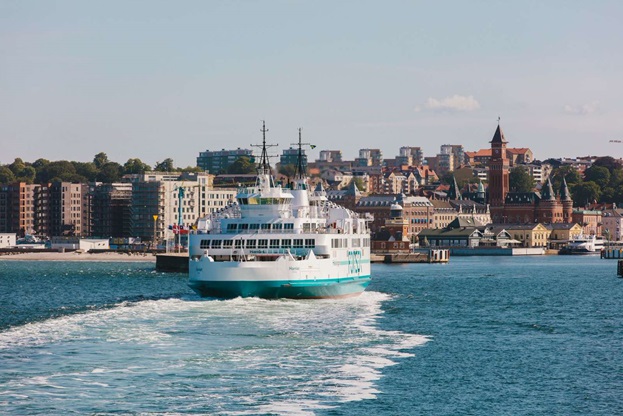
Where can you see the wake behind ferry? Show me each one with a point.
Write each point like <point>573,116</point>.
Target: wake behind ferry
<point>280,243</point>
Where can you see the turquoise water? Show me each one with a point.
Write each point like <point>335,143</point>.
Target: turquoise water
<point>478,336</point>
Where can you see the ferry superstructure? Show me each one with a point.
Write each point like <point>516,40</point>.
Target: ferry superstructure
<point>280,243</point>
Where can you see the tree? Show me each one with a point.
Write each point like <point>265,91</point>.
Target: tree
<point>193,169</point>
<point>165,166</point>
<point>87,170</point>
<point>110,172</point>
<point>520,180</point>
<point>287,170</point>
<point>17,166</point>
<point>608,162</point>
<point>359,183</point>
<point>40,163</point>
<point>571,175</point>
<point>598,174</point>
<point>586,193</point>
<point>100,159</point>
<point>27,174</point>
<point>6,175</point>
<point>242,166</point>
<point>135,166</point>
<point>555,163</point>
<point>62,170</point>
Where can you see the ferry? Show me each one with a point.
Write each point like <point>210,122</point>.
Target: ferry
<point>584,245</point>
<point>280,242</point>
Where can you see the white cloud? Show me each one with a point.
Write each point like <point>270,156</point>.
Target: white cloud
<point>585,109</point>
<point>454,103</point>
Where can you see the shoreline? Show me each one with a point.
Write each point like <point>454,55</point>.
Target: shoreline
<point>76,256</point>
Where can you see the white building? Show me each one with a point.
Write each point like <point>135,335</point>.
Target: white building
<point>8,240</point>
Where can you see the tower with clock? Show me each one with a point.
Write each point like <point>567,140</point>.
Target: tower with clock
<point>498,175</point>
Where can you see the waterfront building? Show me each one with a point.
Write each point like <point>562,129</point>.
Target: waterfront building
<point>218,161</point>
<point>111,210</point>
<point>8,240</point>
<point>461,232</point>
<point>522,207</point>
<point>444,213</point>
<point>69,209</point>
<point>17,209</point>
<point>416,210</point>
<point>41,198</point>
<point>392,238</point>
<point>562,233</point>
<point>177,199</point>
<point>530,235</point>
<point>612,223</point>
<point>590,220</point>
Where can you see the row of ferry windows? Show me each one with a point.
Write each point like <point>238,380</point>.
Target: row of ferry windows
<point>355,242</point>
<point>261,243</point>
<point>276,226</point>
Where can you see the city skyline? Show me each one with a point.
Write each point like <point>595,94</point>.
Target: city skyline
<point>148,81</point>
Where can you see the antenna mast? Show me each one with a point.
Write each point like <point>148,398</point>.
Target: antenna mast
<point>299,173</point>
<point>263,165</point>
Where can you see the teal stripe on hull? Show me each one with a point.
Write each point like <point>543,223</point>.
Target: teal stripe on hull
<point>281,289</point>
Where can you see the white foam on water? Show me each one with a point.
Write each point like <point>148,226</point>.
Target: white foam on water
<point>248,355</point>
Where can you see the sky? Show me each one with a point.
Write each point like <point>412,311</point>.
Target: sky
<point>164,79</point>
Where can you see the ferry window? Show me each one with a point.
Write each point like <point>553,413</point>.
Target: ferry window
<point>310,243</point>
<point>243,201</point>
<point>232,227</point>
<point>356,242</point>
<point>205,244</point>
<point>274,243</point>
<point>250,244</point>
<point>298,243</point>
<point>216,243</point>
<point>228,243</point>
<point>244,226</point>
<point>265,226</point>
<point>262,243</point>
<point>277,226</point>
<point>344,242</point>
<point>238,244</point>
<point>254,226</point>
<point>287,243</point>
<point>306,227</point>
<point>288,226</point>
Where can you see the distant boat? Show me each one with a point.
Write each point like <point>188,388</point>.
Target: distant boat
<point>584,245</point>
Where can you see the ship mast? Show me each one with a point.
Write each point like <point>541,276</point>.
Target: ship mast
<point>263,166</point>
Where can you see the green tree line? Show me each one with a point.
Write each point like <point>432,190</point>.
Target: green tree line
<point>101,169</point>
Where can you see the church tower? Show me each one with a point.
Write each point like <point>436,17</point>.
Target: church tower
<point>498,175</point>
<point>567,202</point>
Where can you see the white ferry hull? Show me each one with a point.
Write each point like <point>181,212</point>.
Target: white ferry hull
<point>319,278</point>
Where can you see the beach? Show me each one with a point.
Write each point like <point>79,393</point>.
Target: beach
<point>78,256</point>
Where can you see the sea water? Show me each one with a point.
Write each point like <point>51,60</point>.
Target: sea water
<point>486,335</point>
